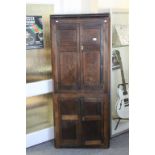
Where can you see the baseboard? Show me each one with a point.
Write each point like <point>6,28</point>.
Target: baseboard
<point>40,136</point>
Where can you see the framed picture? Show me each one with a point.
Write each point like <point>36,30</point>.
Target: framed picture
<point>34,32</point>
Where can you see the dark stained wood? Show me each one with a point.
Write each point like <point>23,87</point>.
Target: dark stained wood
<point>91,70</point>
<point>84,119</point>
<point>67,42</point>
<point>70,117</point>
<point>67,37</point>
<point>66,124</point>
<point>69,106</point>
<point>77,16</point>
<point>91,130</point>
<point>81,73</point>
<point>91,118</point>
<point>93,142</point>
<point>92,106</point>
<point>68,131</point>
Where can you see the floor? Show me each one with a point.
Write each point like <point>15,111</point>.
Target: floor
<point>119,145</point>
<point>123,126</point>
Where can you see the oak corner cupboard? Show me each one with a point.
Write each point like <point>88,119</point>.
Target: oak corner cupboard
<point>81,73</point>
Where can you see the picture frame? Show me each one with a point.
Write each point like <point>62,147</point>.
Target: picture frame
<point>34,32</point>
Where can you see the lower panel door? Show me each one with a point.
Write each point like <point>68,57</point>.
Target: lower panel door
<point>81,120</point>
<point>92,121</point>
<point>69,121</point>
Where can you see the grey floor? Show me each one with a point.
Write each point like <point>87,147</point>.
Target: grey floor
<point>118,146</point>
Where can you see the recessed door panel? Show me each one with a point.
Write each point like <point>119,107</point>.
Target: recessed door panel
<point>67,37</point>
<point>91,69</point>
<point>91,133</point>
<point>69,106</point>
<point>68,72</point>
<point>91,37</point>
<point>92,106</point>
<point>69,130</point>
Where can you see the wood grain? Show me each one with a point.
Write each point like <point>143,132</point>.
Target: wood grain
<point>81,72</point>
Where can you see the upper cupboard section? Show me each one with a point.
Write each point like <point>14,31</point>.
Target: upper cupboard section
<point>78,53</point>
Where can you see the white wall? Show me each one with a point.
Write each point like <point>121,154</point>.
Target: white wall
<point>114,4</point>
<point>83,6</point>
<point>119,18</point>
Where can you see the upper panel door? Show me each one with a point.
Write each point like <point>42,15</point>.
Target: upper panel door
<point>91,49</point>
<point>67,57</point>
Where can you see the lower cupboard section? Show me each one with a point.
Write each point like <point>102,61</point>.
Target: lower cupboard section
<point>81,120</point>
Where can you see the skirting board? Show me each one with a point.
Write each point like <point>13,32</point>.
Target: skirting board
<point>40,136</point>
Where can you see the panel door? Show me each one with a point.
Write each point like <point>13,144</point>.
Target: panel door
<point>91,46</point>
<point>67,56</point>
<point>69,121</point>
<point>92,123</point>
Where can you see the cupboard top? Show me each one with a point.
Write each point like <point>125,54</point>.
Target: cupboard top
<point>79,15</point>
